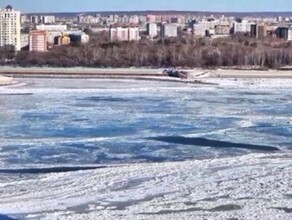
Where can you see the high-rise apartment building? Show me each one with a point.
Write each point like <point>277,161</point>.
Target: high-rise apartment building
<point>262,31</point>
<point>124,33</point>
<point>152,29</point>
<point>34,19</point>
<point>38,41</point>
<point>134,33</point>
<point>253,30</point>
<point>47,19</point>
<point>259,31</point>
<point>284,33</point>
<point>200,29</point>
<point>119,33</point>
<point>10,28</point>
<point>242,27</point>
<point>169,30</point>
<point>42,19</point>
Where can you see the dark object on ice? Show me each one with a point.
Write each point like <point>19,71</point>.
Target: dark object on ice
<point>48,170</point>
<point>175,73</point>
<point>212,143</point>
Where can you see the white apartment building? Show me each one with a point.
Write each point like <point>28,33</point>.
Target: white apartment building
<point>10,28</point>
<point>134,19</point>
<point>48,19</point>
<point>152,29</point>
<point>134,33</point>
<point>43,27</point>
<point>88,19</point>
<point>24,40</point>
<point>289,36</point>
<point>169,30</point>
<point>24,19</point>
<point>77,36</point>
<point>124,33</point>
<point>200,29</point>
<point>242,27</point>
<point>44,19</point>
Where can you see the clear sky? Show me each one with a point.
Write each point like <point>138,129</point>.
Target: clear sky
<point>125,5</point>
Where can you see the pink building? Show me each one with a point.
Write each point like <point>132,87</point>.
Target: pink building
<point>153,18</point>
<point>38,41</point>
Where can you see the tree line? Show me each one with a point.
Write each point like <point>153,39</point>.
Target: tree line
<point>188,52</point>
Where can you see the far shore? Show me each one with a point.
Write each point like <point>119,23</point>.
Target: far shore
<point>192,74</point>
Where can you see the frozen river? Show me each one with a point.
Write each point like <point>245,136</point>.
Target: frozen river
<point>215,144</point>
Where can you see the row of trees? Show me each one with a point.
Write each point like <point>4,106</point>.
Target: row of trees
<point>233,51</point>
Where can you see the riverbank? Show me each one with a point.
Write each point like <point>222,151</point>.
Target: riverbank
<point>81,71</point>
<point>192,74</point>
<point>236,73</point>
<point>229,73</point>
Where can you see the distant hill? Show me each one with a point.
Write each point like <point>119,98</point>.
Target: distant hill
<point>206,13</point>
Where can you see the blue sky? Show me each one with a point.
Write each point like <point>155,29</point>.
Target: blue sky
<point>121,5</point>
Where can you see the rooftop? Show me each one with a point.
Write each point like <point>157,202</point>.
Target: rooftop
<point>9,7</point>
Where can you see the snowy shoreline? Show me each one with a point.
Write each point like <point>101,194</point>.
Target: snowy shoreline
<point>154,72</point>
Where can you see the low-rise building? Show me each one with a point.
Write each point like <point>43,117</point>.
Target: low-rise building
<point>51,27</point>
<point>99,29</point>
<point>52,36</point>
<point>78,37</point>
<point>222,29</point>
<point>64,40</point>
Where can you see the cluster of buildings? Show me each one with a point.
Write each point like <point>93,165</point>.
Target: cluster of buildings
<point>204,28</point>
<point>38,19</point>
<point>35,33</point>
<point>42,32</point>
<point>47,36</point>
<point>152,26</point>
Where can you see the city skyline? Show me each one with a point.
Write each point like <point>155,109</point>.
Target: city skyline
<point>32,6</point>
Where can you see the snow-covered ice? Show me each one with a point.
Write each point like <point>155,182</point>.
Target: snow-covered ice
<point>245,187</point>
<point>88,149</point>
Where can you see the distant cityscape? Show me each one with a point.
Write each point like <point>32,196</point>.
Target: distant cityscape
<point>41,32</point>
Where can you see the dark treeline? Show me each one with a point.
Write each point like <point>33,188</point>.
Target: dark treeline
<point>234,51</point>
